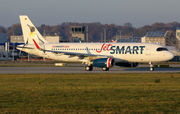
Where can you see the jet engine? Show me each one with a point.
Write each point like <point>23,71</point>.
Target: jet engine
<point>104,62</point>
<point>127,64</point>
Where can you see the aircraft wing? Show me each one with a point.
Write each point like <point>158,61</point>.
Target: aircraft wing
<point>20,46</point>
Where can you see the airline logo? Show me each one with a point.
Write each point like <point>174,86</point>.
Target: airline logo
<point>121,49</point>
<point>105,48</point>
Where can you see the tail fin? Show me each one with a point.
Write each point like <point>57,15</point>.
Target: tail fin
<point>30,33</point>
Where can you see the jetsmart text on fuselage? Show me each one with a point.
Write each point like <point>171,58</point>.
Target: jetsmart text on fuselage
<point>127,50</point>
<point>121,49</point>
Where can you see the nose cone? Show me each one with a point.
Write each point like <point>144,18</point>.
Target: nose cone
<point>170,56</point>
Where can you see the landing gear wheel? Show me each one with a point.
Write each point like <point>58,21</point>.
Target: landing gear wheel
<point>152,69</point>
<point>105,69</point>
<point>151,66</point>
<point>88,68</point>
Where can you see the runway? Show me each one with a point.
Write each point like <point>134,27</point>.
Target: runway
<point>27,70</point>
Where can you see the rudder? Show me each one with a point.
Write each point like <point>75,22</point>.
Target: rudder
<point>30,32</point>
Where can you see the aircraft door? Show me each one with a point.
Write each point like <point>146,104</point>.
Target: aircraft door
<point>148,49</point>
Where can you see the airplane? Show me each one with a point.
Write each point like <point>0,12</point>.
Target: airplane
<point>103,55</point>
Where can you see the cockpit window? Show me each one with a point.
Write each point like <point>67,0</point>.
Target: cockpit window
<point>162,49</point>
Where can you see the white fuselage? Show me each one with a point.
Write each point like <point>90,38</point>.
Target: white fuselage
<point>131,52</point>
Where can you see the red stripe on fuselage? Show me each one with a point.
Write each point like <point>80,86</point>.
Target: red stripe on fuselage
<point>36,44</point>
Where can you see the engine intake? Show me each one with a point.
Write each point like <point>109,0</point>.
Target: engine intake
<point>104,62</point>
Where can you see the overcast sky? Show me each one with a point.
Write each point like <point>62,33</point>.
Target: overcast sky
<point>54,12</point>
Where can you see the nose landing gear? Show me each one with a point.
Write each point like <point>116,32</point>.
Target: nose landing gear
<point>151,66</point>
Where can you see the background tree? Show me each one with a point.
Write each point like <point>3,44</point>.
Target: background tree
<point>15,29</point>
<point>47,30</point>
<point>128,25</point>
<point>2,29</point>
<point>95,29</point>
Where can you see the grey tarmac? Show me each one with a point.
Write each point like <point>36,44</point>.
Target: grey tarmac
<point>28,70</point>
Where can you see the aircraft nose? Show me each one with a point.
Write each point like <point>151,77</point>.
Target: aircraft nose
<point>170,56</point>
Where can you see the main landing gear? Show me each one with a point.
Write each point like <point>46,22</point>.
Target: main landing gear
<point>90,68</point>
<point>151,66</point>
<point>105,69</point>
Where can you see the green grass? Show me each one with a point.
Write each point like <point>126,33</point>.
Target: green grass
<point>90,93</point>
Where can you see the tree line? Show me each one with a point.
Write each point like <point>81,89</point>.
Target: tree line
<point>95,30</point>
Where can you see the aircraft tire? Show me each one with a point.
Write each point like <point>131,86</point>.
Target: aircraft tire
<point>88,68</point>
<point>151,68</point>
<point>105,69</point>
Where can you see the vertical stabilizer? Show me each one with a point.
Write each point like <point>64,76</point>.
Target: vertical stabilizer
<point>30,33</point>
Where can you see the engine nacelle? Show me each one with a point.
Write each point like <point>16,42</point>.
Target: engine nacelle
<point>104,62</point>
<point>127,64</point>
